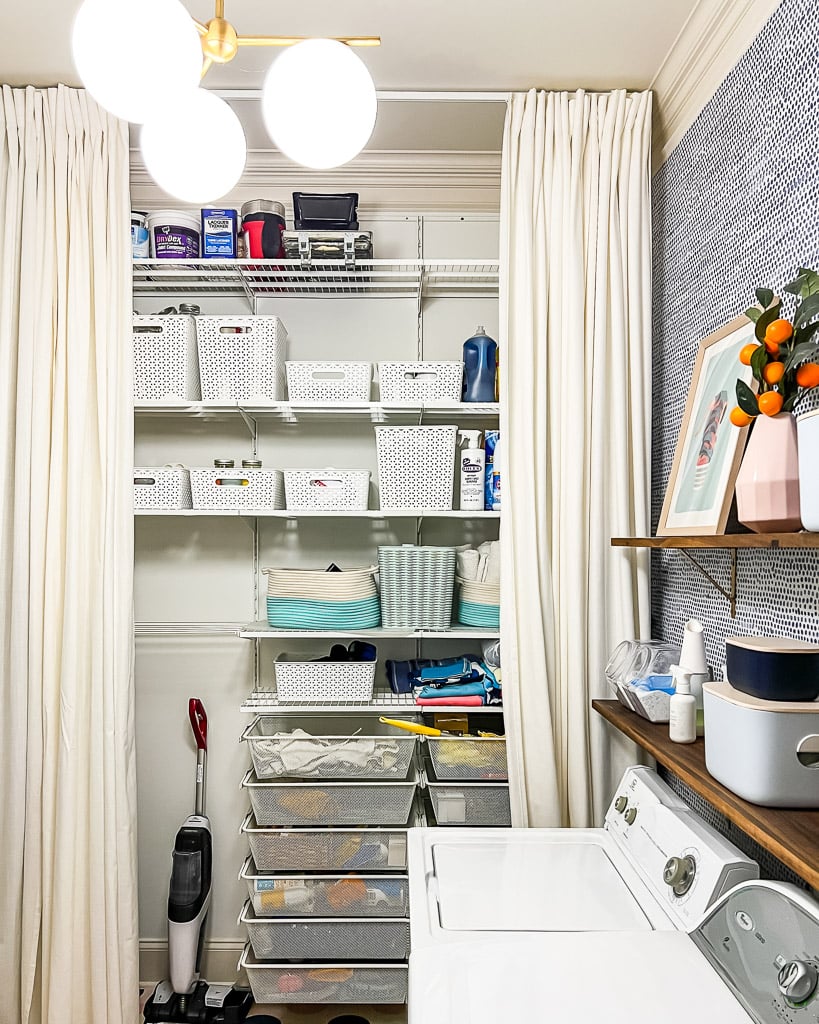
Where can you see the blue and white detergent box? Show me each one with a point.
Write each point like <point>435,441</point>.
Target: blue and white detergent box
<point>492,484</point>
<point>219,234</point>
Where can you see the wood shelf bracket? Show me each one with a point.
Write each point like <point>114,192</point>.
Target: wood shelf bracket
<point>730,594</point>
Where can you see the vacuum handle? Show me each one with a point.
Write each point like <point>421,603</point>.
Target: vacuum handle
<point>199,722</point>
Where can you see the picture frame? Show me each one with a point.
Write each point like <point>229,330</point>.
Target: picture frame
<point>709,448</point>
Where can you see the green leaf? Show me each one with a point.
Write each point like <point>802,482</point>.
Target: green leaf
<point>790,401</point>
<point>764,296</point>
<point>766,318</point>
<point>807,309</point>
<point>801,353</point>
<point>753,313</point>
<point>746,399</point>
<point>805,332</point>
<point>758,360</point>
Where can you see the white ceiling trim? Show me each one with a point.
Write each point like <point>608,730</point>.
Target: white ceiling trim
<point>405,180</point>
<point>711,42</point>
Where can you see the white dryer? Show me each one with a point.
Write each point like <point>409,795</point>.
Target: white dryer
<point>654,866</point>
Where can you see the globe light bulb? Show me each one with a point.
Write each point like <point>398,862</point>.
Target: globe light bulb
<point>319,103</point>
<point>195,147</point>
<point>133,54</point>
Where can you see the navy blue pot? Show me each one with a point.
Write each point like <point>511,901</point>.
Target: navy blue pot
<point>773,668</point>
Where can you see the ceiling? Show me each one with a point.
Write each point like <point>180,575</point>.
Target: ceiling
<point>427,45</point>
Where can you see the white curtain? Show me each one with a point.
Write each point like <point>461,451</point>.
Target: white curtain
<point>575,317</point>
<point>68,939</point>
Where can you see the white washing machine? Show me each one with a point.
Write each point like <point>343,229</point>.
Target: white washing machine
<point>755,958</point>
<point>654,866</point>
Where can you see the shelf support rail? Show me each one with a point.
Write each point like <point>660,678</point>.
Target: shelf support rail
<point>731,593</point>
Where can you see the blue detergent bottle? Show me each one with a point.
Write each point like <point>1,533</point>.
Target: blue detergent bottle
<point>480,364</point>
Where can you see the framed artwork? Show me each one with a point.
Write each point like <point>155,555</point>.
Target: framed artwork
<point>709,449</point>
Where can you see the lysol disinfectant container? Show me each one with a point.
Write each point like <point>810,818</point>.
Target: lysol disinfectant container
<point>480,360</point>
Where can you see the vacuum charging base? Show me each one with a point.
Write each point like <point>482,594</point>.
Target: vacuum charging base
<point>194,1009</point>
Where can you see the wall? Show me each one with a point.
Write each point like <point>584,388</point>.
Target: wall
<point>735,206</point>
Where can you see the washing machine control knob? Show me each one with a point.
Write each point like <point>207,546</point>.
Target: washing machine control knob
<point>630,815</point>
<point>620,804</point>
<point>797,981</point>
<point>679,873</point>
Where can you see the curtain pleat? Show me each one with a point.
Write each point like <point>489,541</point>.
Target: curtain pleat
<point>68,946</point>
<point>575,315</point>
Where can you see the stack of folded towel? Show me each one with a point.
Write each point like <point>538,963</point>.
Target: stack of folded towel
<point>481,565</point>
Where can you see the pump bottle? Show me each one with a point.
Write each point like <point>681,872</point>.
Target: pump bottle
<point>682,721</point>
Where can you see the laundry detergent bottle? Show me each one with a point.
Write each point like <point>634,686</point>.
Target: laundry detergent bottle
<point>480,363</point>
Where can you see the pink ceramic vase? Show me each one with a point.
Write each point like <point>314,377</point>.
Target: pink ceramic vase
<point>768,480</point>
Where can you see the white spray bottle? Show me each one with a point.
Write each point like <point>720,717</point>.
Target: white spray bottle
<point>682,721</point>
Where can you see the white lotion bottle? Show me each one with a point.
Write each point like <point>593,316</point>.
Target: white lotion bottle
<point>682,718</point>
<point>472,463</point>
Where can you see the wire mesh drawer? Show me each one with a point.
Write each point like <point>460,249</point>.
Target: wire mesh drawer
<point>416,586</point>
<point>241,358</point>
<point>421,381</point>
<point>338,490</point>
<point>325,895</point>
<point>331,803</point>
<point>165,487</point>
<point>468,758</point>
<point>336,381</point>
<point>336,849</point>
<point>328,748</point>
<point>166,361</point>
<point>470,803</point>
<point>416,466</point>
<point>324,983</point>
<point>326,939</point>
<point>237,488</point>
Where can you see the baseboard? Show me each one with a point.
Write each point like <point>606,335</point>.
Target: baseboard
<point>219,959</point>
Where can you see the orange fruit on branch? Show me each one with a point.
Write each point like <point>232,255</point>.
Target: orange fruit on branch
<point>746,352</point>
<point>770,403</point>
<point>772,373</point>
<point>778,332</point>
<point>807,376</point>
<point>739,417</point>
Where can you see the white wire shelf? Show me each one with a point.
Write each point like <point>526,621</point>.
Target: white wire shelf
<point>263,631</point>
<point>255,279</point>
<point>294,412</point>
<point>417,513</point>
<point>188,628</point>
<point>383,702</point>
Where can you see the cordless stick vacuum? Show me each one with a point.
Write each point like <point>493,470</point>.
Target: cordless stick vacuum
<point>184,998</point>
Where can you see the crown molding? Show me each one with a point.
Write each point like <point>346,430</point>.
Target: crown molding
<point>389,180</point>
<point>711,42</point>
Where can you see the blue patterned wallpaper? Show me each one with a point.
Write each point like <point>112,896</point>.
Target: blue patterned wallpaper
<point>735,206</point>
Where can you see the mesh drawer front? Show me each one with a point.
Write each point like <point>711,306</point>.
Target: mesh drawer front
<point>468,758</point>
<point>325,983</point>
<point>325,895</point>
<point>331,803</point>
<point>327,940</point>
<point>470,803</point>
<point>356,849</point>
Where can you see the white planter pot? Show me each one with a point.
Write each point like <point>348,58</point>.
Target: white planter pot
<point>807,427</point>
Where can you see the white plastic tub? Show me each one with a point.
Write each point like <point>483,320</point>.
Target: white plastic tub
<point>807,431</point>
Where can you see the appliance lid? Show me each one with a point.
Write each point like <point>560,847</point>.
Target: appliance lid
<point>727,692</point>
<point>514,886</point>
<point>773,644</point>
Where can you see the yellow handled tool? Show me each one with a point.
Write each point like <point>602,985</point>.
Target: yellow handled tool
<point>427,730</point>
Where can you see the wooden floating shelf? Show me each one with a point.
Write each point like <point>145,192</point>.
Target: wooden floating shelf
<point>791,836</point>
<point>723,540</point>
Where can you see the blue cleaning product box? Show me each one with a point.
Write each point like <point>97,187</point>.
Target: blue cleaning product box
<point>491,438</point>
<point>219,234</point>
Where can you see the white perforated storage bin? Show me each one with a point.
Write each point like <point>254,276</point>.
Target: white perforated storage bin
<point>237,488</point>
<point>359,896</point>
<point>163,487</point>
<point>330,803</point>
<point>421,381</point>
<point>166,362</point>
<point>416,466</point>
<point>470,803</point>
<point>416,586</point>
<point>328,747</point>
<point>340,490</point>
<point>241,358</point>
<point>467,757</point>
<point>328,381</point>
<point>324,680</point>
<point>324,982</point>
<point>326,938</point>
<point>326,849</point>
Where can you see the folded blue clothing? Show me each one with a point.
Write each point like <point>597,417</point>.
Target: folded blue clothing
<point>477,689</point>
